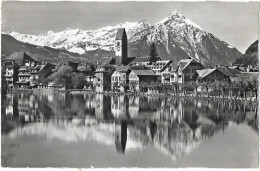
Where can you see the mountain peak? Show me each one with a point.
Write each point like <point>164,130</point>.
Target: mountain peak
<point>176,15</point>
<point>144,23</point>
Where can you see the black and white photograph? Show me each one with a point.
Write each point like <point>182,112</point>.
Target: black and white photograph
<point>129,84</point>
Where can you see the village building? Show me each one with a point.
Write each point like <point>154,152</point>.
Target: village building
<point>102,80</point>
<point>210,75</point>
<point>24,77</point>
<point>120,78</point>
<point>185,71</point>
<point>11,72</point>
<point>40,72</point>
<point>141,75</point>
<point>162,69</point>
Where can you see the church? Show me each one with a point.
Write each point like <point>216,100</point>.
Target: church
<point>121,57</point>
<point>114,72</point>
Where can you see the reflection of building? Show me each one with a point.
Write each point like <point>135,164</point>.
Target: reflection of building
<point>9,110</point>
<point>103,107</point>
<point>119,106</point>
<point>133,106</point>
<point>120,136</point>
<point>27,107</point>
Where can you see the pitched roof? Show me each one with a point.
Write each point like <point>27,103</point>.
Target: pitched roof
<point>25,68</point>
<point>105,66</point>
<point>122,68</point>
<point>39,67</point>
<point>204,72</point>
<point>160,65</point>
<point>183,63</point>
<point>20,57</point>
<point>228,71</point>
<point>141,59</point>
<point>144,72</point>
<point>106,60</point>
<point>119,34</point>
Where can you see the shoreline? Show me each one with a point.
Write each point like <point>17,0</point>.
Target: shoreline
<point>203,97</point>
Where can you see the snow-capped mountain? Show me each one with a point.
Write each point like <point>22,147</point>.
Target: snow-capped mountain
<point>176,37</point>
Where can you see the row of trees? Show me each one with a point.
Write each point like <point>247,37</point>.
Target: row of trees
<point>239,88</point>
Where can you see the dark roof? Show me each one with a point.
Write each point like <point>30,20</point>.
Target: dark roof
<point>9,66</point>
<point>106,60</point>
<point>144,72</point>
<point>19,57</point>
<point>122,68</point>
<point>105,66</point>
<point>119,34</point>
<point>228,71</point>
<point>139,67</point>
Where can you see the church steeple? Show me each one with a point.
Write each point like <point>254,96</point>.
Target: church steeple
<point>121,47</point>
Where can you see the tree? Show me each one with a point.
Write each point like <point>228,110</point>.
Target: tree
<point>63,77</point>
<point>195,85</point>
<point>153,53</point>
<point>253,86</point>
<point>176,87</point>
<point>207,85</point>
<point>78,80</point>
<point>4,85</point>
<point>133,84</point>
<point>124,85</point>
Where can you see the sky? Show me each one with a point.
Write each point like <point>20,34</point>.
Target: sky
<point>233,22</point>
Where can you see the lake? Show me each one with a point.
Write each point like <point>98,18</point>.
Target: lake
<point>47,129</point>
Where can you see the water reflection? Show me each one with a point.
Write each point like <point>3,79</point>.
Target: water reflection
<point>173,126</point>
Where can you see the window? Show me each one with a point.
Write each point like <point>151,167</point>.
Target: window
<point>118,43</point>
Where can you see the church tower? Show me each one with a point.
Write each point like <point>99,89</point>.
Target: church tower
<point>121,47</point>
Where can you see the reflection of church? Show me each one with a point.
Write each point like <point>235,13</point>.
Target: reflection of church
<point>120,136</point>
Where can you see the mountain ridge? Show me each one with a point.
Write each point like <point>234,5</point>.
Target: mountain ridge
<point>176,37</point>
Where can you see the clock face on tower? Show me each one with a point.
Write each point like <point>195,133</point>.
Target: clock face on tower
<point>118,49</point>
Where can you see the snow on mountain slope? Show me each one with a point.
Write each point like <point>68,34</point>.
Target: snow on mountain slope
<point>176,37</point>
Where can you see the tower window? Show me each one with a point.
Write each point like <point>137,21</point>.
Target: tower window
<point>118,44</point>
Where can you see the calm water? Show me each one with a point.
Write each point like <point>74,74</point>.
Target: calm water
<point>63,130</point>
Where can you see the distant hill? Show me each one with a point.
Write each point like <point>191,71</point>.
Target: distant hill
<point>251,55</point>
<point>10,46</point>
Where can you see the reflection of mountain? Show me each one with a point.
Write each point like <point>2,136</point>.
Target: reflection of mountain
<point>173,126</point>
